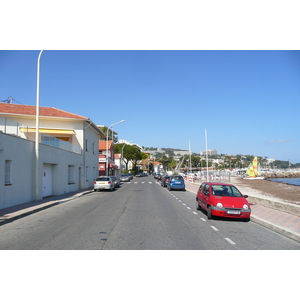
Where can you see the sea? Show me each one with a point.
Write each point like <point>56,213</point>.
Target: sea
<point>292,181</point>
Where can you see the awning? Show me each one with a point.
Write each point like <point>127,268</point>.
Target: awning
<point>113,166</point>
<point>48,131</point>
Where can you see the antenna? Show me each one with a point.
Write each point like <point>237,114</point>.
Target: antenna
<point>10,100</point>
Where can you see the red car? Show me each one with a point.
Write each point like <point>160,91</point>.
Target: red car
<point>222,200</point>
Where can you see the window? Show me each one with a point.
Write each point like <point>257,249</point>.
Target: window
<point>71,174</point>
<point>8,172</point>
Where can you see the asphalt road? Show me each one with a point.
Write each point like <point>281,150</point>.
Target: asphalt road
<point>139,215</point>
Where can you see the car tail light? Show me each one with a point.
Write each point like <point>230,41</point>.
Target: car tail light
<point>109,182</point>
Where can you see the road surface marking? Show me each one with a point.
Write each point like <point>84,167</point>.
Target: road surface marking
<point>183,204</point>
<point>230,241</point>
<point>214,228</point>
<point>188,207</point>
<point>195,213</point>
<point>203,219</point>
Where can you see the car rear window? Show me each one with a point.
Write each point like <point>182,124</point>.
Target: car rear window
<point>103,179</point>
<point>177,178</point>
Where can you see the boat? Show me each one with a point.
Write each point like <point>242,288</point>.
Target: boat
<point>253,170</point>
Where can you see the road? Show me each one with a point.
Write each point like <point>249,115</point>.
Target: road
<point>139,215</point>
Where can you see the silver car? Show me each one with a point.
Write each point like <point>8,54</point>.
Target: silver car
<point>104,183</point>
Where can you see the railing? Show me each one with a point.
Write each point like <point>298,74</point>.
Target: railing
<point>58,143</point>
<point>13,128</point>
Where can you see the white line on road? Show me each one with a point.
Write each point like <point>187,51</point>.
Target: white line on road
<point>230,241</point>
<point>214,228</point>
<point>179,200</point>
<point>183,204</point>
<point>150,182</point>
<point>195,213</point>
<point>203,219</point>
<point>188,207</point>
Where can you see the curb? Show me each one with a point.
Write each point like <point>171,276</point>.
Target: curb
<point>29,211</point>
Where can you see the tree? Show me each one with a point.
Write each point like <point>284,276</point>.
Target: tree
<point>130,153</point>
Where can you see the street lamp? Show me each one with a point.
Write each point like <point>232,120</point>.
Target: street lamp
<point>37,128</point>
<point>107,144</point>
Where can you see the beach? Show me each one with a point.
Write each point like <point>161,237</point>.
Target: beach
<point>267,189</point>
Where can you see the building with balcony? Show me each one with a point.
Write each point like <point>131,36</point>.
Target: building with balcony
<point>68,155</point>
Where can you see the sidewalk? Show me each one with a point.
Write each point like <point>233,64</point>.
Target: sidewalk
<point>12,213</point>
<point>276,220</point>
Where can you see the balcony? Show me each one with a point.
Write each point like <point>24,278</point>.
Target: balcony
<point>11,127</point>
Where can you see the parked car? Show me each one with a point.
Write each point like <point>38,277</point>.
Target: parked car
<point>176,182</point>
<point>222,200</point>
<point>116,181</point>
<point>125,178</point>
<point>164,180</point>
<point>104,183</point>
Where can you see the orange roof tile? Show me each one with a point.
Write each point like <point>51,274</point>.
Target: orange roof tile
<point>30,110</point>
<point>102,145</point>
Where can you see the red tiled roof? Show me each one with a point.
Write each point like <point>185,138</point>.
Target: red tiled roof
<point>29,110</point>
<point>102,145</point>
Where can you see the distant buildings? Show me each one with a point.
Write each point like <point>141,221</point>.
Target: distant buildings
<point>209,152</point>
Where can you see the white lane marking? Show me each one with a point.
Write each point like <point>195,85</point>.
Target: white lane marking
<point>230,241</point>
<point>135,182</point>
<point>203,219</point>
<point>179,200</point>
<point>214,228</point>
<point>150,182</point>
<point>183,204</point>
<point>142,182</point>
<point>188,207</point>
<point>195,213</point>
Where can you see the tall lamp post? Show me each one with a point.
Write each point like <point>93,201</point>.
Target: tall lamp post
<point>107,144</point>
<point>37,128</point>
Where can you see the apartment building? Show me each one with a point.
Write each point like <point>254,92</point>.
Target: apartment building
<point>68,154</point>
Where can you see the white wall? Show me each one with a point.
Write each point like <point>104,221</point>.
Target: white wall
<point>22,154</point>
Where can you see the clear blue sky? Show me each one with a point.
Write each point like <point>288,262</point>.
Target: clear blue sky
<point>249,101</point>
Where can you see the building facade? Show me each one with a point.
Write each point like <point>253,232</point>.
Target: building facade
<point>67,158</point>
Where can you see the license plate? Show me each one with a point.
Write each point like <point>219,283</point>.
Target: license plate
<point>102,183</point>
<point>233,212</point>
<point>178,182</point>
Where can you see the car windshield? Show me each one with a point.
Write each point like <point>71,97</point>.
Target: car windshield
<point>125,175</point>
<point>102,179</point>
<point>225,190</point>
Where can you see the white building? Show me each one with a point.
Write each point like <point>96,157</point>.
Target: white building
<point>209,152</point>
<point>68,153</point>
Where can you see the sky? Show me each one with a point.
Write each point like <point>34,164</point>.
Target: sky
<point>247,101</point>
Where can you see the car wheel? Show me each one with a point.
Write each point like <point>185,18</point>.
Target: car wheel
<point>95,190</point>
<point>209,215</point>
<point>198,206</point>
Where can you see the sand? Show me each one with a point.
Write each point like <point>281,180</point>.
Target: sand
<point>267,189</point>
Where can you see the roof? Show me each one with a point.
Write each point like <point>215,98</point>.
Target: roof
<point>30,110</point>
<point>102,145</point>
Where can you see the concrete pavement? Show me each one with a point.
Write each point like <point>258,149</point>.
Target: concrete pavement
<point>275,219</point>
